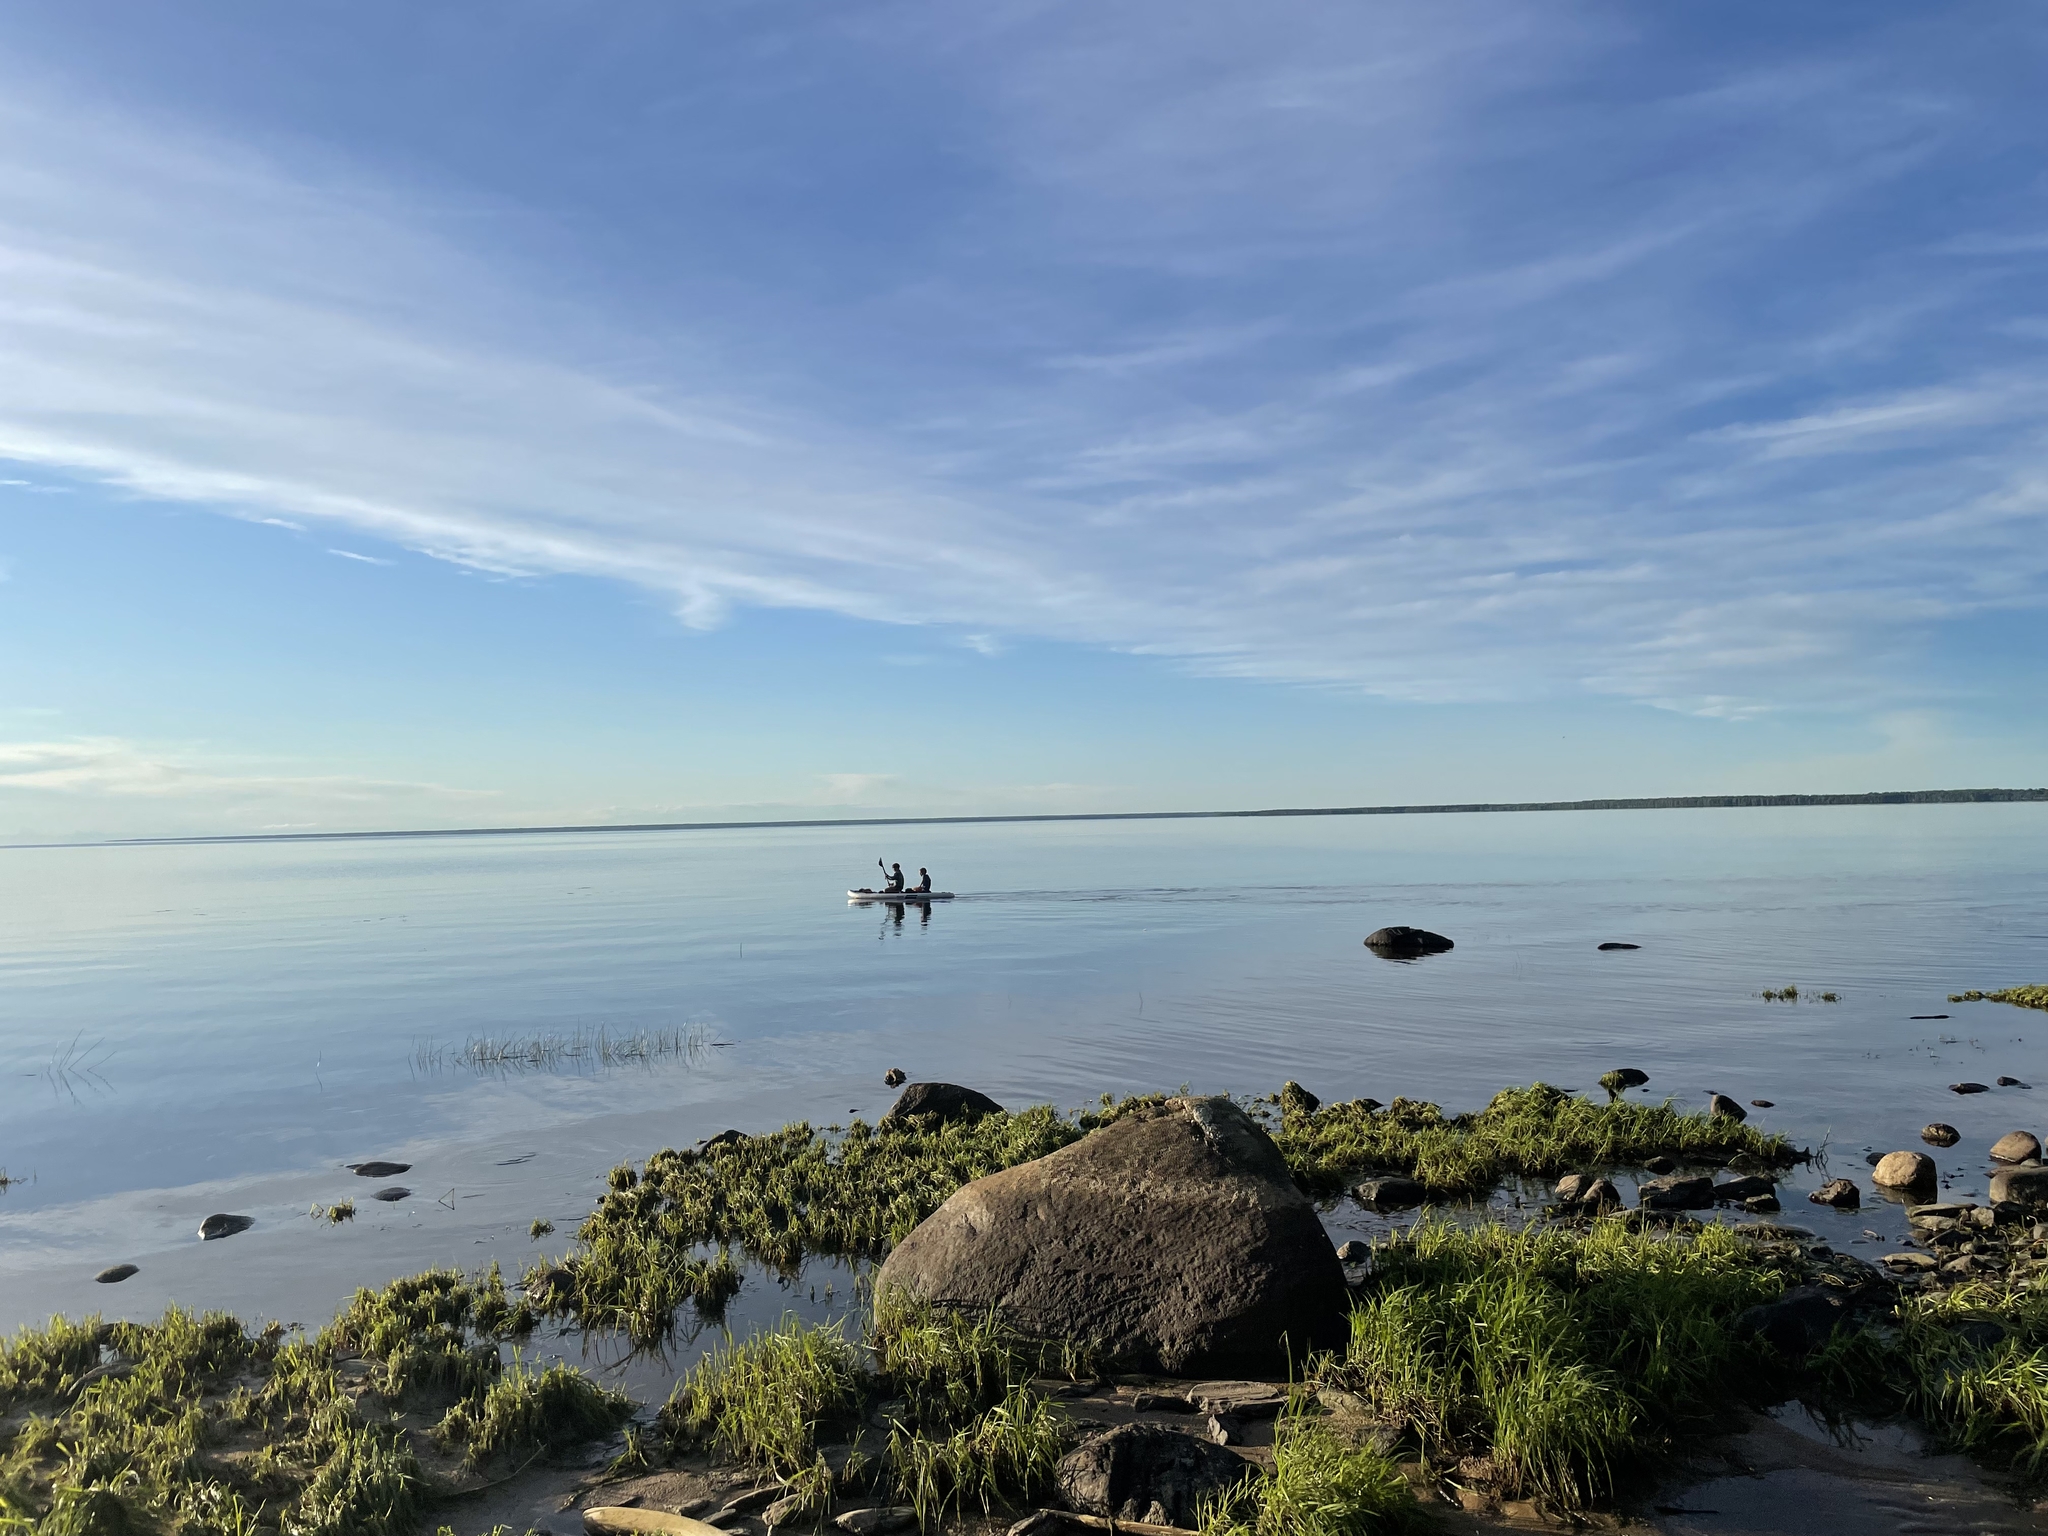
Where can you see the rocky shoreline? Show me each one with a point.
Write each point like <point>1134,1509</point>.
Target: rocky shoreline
<point>1133,1315</point>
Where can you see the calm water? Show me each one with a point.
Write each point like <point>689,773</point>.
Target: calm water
<point>191,1029</point>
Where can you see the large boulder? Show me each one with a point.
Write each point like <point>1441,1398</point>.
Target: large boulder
<point>1402,943</point>
<point>949,1101</point>
<point>1904,1170</point>
<point>1173,1239</point>
<point>1147,1472</point>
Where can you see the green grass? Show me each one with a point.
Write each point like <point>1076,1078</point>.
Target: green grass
<point>1006,1453</point>
<point>1554,1359</point>
<point>195,1425</point>
<point>762,1400</point>
<point>1319,1487</point>
<point>1537,1132</point>
<point>2019,997</point>
<point>524,1411</point>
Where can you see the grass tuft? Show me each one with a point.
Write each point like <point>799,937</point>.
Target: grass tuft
<point>525,1411</point>
<point>1555,1358</point>
<point>761,1401</point>
<point>1319,1486</point>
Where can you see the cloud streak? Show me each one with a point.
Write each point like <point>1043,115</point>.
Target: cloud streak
<point>1409,356</point>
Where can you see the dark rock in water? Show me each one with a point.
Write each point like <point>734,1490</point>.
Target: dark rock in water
<point>1798,1322</point>
<point>1392,1193</point>
<point>1629,1077</point>
<point>1873,1158</point>
<point>1147,1472</point>
<point>115,1274</point>
<point>1939,1135</point>
<point>725,1138</point>
<point>2027,1186</point>
<point>1174,1240</point>
<point>2016,1147</point>
<point>1675,1194</point>
<point>2013,1082</point>
<point>1720,1104</point>
<point>395,1192</point>
<point>1615,944</point>
<point>1663,1162</point>
<point>378,1170</point>
<point>1762,1205</point>
<point>1904,1170</point>
<point>1968,1088</point>
<point>1297,1100</point>
<point>549,1286</point>
<point>894,1078</point>
<point>1747,1188</point>
<point>1353,1252</point>
<point>1842,1194</point>
<point>1587,1192</point>
<point>1761,1104</point>
<point>1406,943</point>
<point>224,1226</point>
<point>949,1101</point>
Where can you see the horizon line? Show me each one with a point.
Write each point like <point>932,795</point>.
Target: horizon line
<point>1641,803</point>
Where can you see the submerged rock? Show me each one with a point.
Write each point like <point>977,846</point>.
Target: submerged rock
<point>1677,1193</point>
<point>395,1192</point>
<point>1762,1104</point>
<point>218,1225</point>
<point>2016,1147</point>
<point>1801,1320</point>
<point>114,1274</point>
<point>1721,1105</point>
<point>1401,943</point>
<point>1842,1194</point>
<point>377,1170</point>
<point>1173,1239</point>
<point>1745,1188</point>
<point>1392,1193</point>
<point>1617,944</point>
<point>1940,1135</point>
<point>1147,1472</point>
<point>1663,1162</point>
<point>1587,1192</point>
<point>895,1077</point>
<point>1968,1088</point>
<point>949,1101</point>
<point>2012,1082</point>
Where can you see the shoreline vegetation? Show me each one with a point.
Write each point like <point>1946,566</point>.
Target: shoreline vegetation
<point>1556,1357</point>
<point>1637,803</point>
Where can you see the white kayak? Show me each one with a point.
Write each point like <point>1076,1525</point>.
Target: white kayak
<point>867,895</point>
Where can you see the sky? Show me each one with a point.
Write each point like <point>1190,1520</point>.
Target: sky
<point>525,413</point>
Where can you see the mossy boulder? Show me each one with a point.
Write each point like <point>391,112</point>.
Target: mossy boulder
<point>1171,1240</point>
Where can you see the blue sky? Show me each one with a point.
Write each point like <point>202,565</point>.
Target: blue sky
<point>539,412</point>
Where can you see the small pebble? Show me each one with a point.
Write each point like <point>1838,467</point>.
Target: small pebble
<point>1762,1104</point>
<point>894,1077</point>
<point>115,1274</point>
<point>219,1225</point>
<point>2013,1082</point>
<point>1968,1088</point>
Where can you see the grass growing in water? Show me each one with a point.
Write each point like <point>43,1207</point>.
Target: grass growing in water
<point>577,1050</point>
<point>1537,1132</point>
<point>2019,997</point>
<point>1554,1359</point>
<point>524,1411</point>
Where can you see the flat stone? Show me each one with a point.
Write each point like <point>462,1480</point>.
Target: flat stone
<point>1617,944</point>
<point>377,1170</point>
<point>1904,1170</point>
<point>1842,1194</point>
<point>875,1522</point>
<point>1242,1399</point>
<point>395,1192</point>
<point>220,1225</point>
<point>1147,1472</point>
<point>1937,1211</point>
<point>1747,1188</point>
<point>114,1274</point>
<point>949,1101</point>
<point>1762,1104</point>
<point>1762,1205</point>
<point>1920,1262</point>
<point>615,1520</point>
<point>1401,943</point>
<point>1940,1135</point>
<point>1677,1193</point>
<point>2016,1147</point>
<point>1393,1193</point>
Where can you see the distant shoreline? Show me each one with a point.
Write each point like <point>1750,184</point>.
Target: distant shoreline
<point>1652,803</point>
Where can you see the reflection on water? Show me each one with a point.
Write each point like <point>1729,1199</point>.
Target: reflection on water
<point>190,1025</point>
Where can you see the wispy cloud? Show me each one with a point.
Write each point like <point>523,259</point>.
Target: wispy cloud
<point>349,554</point>
<point>1369,350</point>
